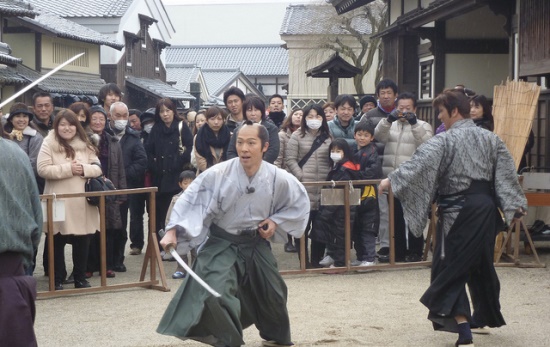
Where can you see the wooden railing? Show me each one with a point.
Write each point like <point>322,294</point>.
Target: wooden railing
<point>152,257</point>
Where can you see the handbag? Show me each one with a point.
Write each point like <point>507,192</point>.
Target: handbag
<point>98,184</point>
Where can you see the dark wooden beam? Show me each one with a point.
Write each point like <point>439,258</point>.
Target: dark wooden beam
<point>38,51</point>
<point>439,57</point>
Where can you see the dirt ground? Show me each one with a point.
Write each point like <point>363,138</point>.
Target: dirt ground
<point>377,308</point>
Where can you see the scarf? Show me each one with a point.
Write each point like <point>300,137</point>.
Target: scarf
<point>206,138</point>
<point>16,134</point>
<point>277,118</point>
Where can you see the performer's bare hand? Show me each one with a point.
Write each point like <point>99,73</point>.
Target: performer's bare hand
<point>518,215</point>
<point>267,228</point>
<point>169,240</point>
<point>384,186</point>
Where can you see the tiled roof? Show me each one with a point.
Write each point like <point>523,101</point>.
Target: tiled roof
<point>68,29</point>
<point>217,80</point>
<point>158,88</point>
<point>85,8</point>
<point>182,74</point>
<point>63,84</point>
<point>8,59</point>
<point>9,75</point>
<point>252,60</point>
<point>314,20</point>
<point>16,8</point>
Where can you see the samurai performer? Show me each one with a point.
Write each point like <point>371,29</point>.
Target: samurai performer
<point>238,205</point>
<point>470,172</point>
<point>20,230</point>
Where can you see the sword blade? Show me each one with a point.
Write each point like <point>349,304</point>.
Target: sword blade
<point>192,273</point>
<point>57,68</point>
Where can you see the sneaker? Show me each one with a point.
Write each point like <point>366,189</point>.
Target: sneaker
<point>290,248</point>
<point>166,256</point>
<point>110,274</point>
<point>367,263</point>
<point>384,251</point>
<point>119,268</point>
<point>135,251</point>
<point>178,275</point>
<point>58,286</point>
<point>81,284</point>
<point>356,262</point>
<point>326,261</point>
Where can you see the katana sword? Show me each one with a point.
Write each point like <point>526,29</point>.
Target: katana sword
<point>57,68</point>
<point>172,249</point>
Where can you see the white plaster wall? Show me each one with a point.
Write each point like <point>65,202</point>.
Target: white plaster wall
<point>480,72</point>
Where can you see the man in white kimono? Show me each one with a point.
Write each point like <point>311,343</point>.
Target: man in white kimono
<point>239,204</point>
<point>470,172</point>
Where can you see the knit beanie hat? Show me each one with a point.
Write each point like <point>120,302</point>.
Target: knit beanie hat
<point>365,99</point>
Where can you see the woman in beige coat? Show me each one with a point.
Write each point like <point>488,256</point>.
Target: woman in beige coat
<point>314,129</point>
<point>65,161</point>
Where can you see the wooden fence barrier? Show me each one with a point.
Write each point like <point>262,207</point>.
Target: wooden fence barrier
<point>151,259</point>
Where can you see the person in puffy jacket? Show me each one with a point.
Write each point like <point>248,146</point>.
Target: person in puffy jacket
<point>307,158</point>
<point>402,133</point>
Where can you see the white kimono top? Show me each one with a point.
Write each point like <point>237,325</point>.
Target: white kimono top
<point>226,196</point>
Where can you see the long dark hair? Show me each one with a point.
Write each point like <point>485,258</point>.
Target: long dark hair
<point>324,127</point>
<point>169,104</point>
<point>71,117</point>
<point>342,144</point>
<point>287,123</point>
<point>481,100</point>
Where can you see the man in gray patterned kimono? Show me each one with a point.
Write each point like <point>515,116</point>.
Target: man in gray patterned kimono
<point>240,204</point>
<point>470,172</point>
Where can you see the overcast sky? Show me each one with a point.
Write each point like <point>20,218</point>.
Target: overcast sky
<point>210,22</point>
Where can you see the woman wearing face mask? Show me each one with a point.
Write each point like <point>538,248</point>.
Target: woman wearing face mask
<point>112,164</point>
<point>307,158</point>
<point>329,225</point>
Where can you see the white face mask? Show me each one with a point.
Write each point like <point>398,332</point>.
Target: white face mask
<point>120,124</point>
<point>147,128</point>
<point>335,156</point>
<point>314,123</point>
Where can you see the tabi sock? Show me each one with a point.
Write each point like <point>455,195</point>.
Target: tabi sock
<point>464,332</point>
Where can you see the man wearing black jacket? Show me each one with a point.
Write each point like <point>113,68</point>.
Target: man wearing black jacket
<point>135,164</point>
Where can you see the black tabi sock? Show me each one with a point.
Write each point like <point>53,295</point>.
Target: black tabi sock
<point>464,332</point>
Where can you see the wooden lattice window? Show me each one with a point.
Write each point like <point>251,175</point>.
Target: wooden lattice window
<point>426,79</point>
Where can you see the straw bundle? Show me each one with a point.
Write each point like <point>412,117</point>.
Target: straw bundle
<point>514,109</point>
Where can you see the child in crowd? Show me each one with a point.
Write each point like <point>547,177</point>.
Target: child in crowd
<point>185,179</point>
<point>329,224</point>
<point>367,215</point>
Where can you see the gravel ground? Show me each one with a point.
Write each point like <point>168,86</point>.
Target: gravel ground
<point>377,308</point>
